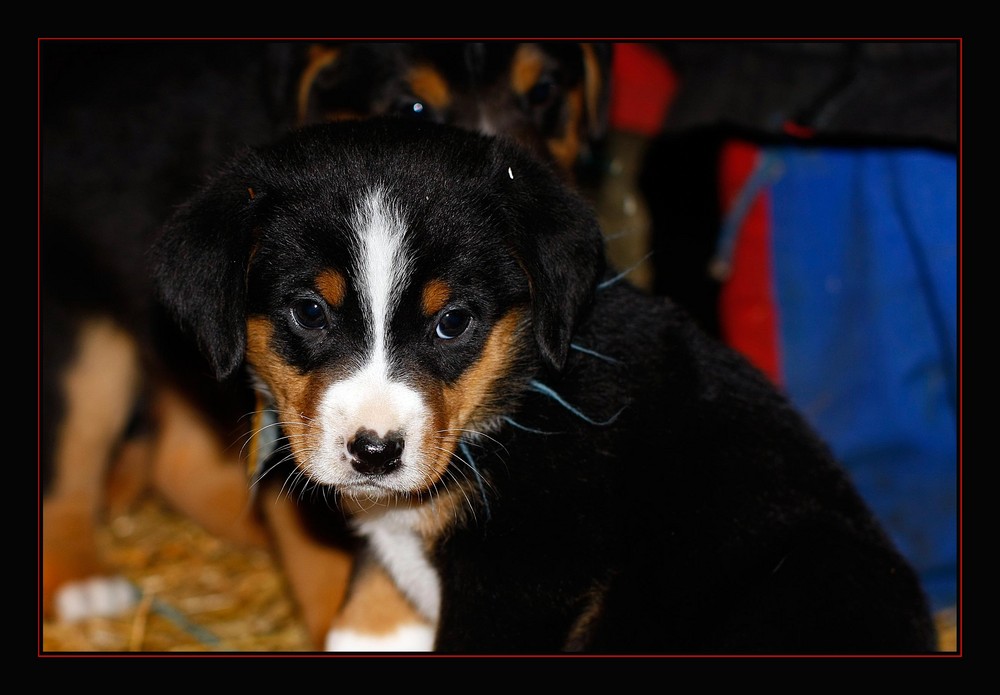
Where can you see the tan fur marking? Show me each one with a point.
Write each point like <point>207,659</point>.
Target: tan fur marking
<point>100,388</point>
<point>470,393</point>
<point>319,58</point>
<point>466,403</point>
<point>196,467</point>
<point>565,149</point>
<point>586,621</point>
<point>375,606</point>
<point>526,68</point>
<point>343,115</point>
<point>295,394</point>
<point>427,85</point>
<point>317,571</point>
<point>593,81</point>
<point>435,296</point>
<point>333,286</point>
<point>69,548</point>
<point>448,510</point>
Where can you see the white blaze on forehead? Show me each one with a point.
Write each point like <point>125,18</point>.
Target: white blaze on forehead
<point>383,265</point>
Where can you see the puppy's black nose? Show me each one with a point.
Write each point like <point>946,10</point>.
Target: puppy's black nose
<point>374,455</point>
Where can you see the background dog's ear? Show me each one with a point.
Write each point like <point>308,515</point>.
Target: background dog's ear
<point>199,266</point>
<point>597,87</point>
<point>558,242</point>
<point>318,68</point>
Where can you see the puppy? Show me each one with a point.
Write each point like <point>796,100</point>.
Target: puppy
<point>552,98</point>
<point>540,457</point>
<point>126,130</point>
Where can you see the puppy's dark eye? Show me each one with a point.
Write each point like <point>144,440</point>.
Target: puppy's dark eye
<point>309,314</point>
<point>453,323</point>
<point>542,92</point>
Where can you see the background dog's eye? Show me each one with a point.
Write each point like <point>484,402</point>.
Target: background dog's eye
<point>309,313</point>
<point>542,92</point>
<point>412,108</point>
<point>453,323</point>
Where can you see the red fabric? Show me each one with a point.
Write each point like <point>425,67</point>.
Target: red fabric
<point>642,87</point>
<point>747,304</point>
<point>798,131</point>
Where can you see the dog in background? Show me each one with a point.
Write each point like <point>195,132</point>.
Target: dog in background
<point>540,457</point>
<point>551,97</point>
<point>126,130</point>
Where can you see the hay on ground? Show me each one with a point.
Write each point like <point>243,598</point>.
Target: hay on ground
<point>197,593</point>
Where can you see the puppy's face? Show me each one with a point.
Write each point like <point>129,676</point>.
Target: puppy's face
<point>385,328</point>
<point>392,286</point>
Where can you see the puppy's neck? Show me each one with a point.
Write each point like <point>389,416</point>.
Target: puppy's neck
<point>402,536</point>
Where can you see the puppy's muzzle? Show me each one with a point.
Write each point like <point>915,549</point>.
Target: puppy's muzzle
<point>375,455</point>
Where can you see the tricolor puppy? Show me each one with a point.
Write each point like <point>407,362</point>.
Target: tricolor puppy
<point>540,457</point>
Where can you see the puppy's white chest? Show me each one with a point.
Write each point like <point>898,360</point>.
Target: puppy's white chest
<point>399,547</point>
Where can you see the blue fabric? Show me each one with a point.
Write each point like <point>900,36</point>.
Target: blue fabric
<point>866,262</point>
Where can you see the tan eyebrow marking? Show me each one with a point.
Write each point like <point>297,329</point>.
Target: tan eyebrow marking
<point>333,286</point>
<point>435,296</point>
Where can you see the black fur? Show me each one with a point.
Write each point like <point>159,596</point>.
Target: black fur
<point>683,506</point>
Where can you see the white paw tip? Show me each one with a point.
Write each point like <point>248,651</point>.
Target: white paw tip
<point>405,638</point>
<point>94,597</point>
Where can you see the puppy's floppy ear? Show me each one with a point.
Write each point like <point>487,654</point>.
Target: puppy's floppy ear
<point>558,242</point>
<point>199,266</point>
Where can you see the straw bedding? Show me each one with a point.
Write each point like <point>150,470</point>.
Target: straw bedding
<point>197,593</point>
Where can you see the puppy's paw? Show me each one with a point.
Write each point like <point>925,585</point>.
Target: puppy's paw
<point>409,637</point>
<point>94,597</point>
